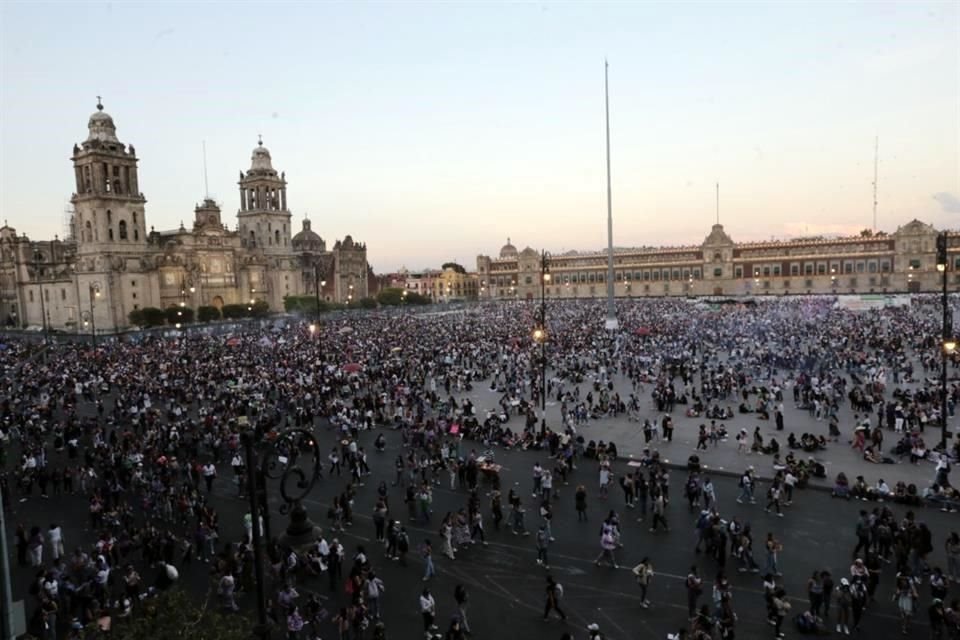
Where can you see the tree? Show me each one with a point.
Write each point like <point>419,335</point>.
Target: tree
<point>454,266</point>
<point>234,311</point>
<point>178,315</point>
<point>303,304</point>
<point>208,314</point>
<point>366,303</point>
<point>260,309</point>
<point>416,298</point>
<point>153,317</point>
<point>135,317</point>
<point>390,297</point>
<point>175,615</point>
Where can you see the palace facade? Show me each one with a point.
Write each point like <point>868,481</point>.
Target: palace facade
<point>903,261</point>
<point>113,263</point>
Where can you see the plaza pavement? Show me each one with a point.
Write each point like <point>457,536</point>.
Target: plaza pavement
<point>724,458</point>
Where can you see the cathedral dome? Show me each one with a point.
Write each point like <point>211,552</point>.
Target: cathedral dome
<point>101,126</point>
<point>308,240</point>
<point>508,250</point>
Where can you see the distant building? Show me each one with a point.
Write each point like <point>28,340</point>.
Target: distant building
<point>112,265</point>
<point>904,261</point>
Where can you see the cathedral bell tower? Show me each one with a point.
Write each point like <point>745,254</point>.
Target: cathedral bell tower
<point>264,217</point>
<point>107,203</point>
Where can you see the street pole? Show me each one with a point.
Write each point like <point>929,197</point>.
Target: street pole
<point>262,629</point>
<point>7,601</point>
<point>43,307</point>
<point>544,277</point>
<point>947,344</point>
<point>93,319</point>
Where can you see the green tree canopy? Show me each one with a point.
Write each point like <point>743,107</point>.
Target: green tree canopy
<point>176,314</point>
<point>153,317</point>
<point>453,265</point>
<point>208,314</point>
<point>234,311</point>
<point>175,615</point>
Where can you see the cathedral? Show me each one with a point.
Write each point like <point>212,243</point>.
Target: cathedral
<point>113,263</point>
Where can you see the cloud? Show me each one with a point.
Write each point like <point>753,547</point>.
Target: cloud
<point>948,202</point>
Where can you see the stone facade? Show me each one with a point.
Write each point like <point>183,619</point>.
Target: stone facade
<point>112,265</point>
<point>903,261</point>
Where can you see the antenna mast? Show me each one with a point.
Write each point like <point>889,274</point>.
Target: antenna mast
<point>876,164</point>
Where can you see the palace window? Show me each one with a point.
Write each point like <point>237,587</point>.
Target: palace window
<point>717,272</point>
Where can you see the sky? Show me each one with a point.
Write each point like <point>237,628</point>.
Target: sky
<point>435,131</point>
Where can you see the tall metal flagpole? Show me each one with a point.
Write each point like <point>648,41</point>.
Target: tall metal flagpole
<point>611,323</point>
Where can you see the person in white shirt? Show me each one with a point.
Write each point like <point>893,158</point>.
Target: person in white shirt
<point>56,541</point>
<point>428,609</point>
<point>209,472</point>
<point>789,482</point>
<point>883,489</point>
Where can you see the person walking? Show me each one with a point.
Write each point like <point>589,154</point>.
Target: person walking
<point>906,599</point>
<point>375,591</point>
<point>746,487</point>
<point>659,507</point>
<point>428,610</point>
<point>461,596</point>
<point>694,586</point>
<point>773,548</point>
<point>643,573</point>
<point>427,551</point>
<point>773,498</point>
<point>844,605</point>
<point>580,503</point>
<point>543,541</point>
<point>554,593</point>
<point>815,593</point>
<point>55,536</point>
<point>608,546</point>
<point>781,607</point>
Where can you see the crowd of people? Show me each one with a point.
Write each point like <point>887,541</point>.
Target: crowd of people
<point>145,435</point>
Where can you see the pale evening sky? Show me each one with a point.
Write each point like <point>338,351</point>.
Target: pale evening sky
<point>432,131</point>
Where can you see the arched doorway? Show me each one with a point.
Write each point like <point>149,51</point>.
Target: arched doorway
<point>217,302</point>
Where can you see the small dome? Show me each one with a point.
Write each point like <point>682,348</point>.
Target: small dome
<point>508,250</point>
<point>308,239</point>
<point>260,158</point>
<point>101,126</point>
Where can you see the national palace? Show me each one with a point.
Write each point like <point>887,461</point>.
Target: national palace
<point>878,263</point>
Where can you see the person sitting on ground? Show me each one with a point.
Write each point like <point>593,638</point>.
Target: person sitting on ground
<point>773,447</point>
<point>860,490</point>
<point>883,490</point>
<point>841,486</point>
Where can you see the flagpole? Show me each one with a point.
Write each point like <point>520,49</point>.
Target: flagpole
<point>611,322</point>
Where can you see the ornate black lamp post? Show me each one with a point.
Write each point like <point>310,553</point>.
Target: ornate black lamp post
<point>280,460</point>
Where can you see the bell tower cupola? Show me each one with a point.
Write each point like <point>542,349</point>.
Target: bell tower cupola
<point>108,205</point>
<point>263,215</point>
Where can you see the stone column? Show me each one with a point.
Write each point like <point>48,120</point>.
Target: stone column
<point>283,198</point>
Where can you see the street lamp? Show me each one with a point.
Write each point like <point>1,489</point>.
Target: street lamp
<point>38,257</point>
<point>94,294</point>
<point>540,335</point>
<point>949,343</point>
<point>280,460</point>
